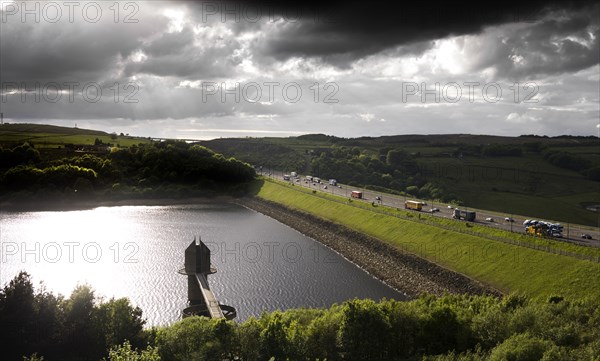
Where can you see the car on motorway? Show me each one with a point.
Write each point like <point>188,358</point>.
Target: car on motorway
<point>509,219</point>
<point>586,236</point>
<point>489,219</point>
<point>450,207</point>
<point>433,210</point>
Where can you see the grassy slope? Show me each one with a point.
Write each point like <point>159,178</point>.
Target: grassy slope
<point>49,136</point>
<point>506,267</point>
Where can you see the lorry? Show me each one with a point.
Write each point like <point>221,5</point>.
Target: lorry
<point>356,194</point>
<point>332,182</point>
<point>543,228</point>
<point>414,205</point>
<point>466,215</point>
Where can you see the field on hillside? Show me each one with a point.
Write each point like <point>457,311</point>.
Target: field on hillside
<point>49,136</point>
<point>507,267</point>
<point>519,175</point>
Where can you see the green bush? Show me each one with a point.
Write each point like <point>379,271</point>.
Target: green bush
<point>520,347</point>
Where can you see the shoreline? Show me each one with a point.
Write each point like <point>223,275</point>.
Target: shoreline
<point>402,271</point>
<point>405,272</point>
<point>76,205</point>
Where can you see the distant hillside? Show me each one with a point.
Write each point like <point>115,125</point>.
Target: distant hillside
<point>45,128</point>
<point>52,136</point>
<point>549,177</point>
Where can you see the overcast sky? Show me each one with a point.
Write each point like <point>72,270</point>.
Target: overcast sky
<point>202,70</point>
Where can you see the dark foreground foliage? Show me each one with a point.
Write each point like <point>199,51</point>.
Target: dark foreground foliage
<point>453,327</point>
<point>79,327</point>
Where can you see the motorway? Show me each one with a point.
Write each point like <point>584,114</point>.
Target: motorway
<point>571,232</point>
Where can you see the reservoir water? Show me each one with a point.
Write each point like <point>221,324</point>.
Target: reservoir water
<point>136,251</point>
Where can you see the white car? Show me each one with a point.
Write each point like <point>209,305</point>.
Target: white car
<point>508,219</point>
<point>489,219</point>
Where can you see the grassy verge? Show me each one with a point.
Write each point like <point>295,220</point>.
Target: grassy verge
<point>507,267</point>
<point>547,244</point>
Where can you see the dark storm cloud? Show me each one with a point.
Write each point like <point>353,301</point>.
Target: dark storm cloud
<point>65,51</point>
<point>58,53</point>
<point>340,32</point>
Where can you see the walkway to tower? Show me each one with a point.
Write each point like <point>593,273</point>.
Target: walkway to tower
<point>202,301</point>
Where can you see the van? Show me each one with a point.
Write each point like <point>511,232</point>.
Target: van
<point>357,194</point>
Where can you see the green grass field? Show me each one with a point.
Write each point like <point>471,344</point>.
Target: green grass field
<point>547,191</point>
<point>48,136</point>
<point>506,267</point>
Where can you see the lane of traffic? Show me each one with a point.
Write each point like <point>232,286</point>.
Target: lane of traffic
<point>510,223</point>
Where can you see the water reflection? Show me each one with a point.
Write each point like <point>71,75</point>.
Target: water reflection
<point>135,252</point>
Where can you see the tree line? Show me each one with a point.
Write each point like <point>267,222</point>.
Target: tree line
<point>147,169</point>
<point>42,326</point>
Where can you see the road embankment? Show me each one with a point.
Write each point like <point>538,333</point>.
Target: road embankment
<point>403,271</point>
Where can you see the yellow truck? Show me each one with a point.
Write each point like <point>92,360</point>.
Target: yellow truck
<point>414,205</point>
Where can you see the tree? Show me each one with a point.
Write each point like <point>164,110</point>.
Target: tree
<point>192,338</point>
<point>17,317</point>
<point>82,337</point>
<point>249,340</point>
<point>321,337</point>
<point>119,321</point>
<point>395,157</point>
<point>364,331</point>
<point>413,190</point>
<point>273,338</point>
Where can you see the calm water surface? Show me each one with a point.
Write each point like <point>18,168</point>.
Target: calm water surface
<point>135,252</point>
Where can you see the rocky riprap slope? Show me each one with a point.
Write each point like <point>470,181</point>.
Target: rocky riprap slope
<point>405,272</point>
